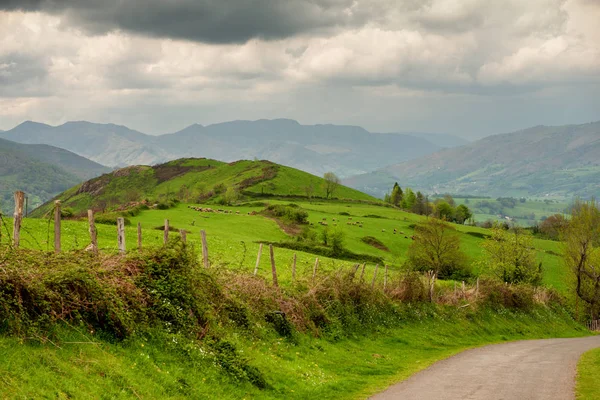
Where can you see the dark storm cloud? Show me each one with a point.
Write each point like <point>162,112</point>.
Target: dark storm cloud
<point>210,21</point>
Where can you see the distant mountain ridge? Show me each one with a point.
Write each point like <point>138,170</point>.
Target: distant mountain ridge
<point>41,171</point>
<point>345,150</point>
<point>562,161</point>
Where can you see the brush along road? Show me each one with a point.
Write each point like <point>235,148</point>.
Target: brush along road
<point>524,370</point>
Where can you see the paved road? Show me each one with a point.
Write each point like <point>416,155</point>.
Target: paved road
<point>525,370</point>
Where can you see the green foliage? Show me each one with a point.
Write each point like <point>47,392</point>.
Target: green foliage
<point>437,247</point>
<point>511,256</point>
<point>291,213</point>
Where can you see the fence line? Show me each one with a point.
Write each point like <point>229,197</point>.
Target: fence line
<point>594,325</point>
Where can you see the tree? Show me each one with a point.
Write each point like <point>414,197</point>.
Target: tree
<point>409,198</point>
<point>332,182</point>
<point>309,190</point>
<point>437,247</point>
<point>420,206</point>
<point>511,256</point>
<point>444,211</point>
<point>232,195</point>
<point>582,253</point>
<point>554,226</point>
<point>397,194</point>
<point>462,214</point>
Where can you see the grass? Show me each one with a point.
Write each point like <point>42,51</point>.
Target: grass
<point>233,238</point>
<point>81,365</point>
<point>588,371</point>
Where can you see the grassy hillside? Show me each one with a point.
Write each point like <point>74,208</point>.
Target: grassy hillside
<point>155,324</point>
<point>193,180</point>
<point>559,162</point>
<point>40,171</point>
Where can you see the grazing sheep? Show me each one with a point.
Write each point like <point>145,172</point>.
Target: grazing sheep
<point>383,230</point>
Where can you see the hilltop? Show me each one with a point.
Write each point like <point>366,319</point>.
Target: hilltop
<point>551,161</point>
<point>345,150</point>
<point>41,171</point>
<point>194,180</point>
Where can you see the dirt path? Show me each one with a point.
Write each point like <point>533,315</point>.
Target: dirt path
<point>525,370</point>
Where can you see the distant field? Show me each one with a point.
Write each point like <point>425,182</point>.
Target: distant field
<point>233,238</point>
<point>525,213</point>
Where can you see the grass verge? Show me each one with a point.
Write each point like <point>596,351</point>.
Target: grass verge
<point>588,371</point>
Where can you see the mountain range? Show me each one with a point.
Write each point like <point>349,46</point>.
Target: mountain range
<point>551,161</point>
<point>345,150</point>
<point>41,171</point>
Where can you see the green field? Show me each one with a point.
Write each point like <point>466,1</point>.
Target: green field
<point>525,212</point>
<point>233,239</point>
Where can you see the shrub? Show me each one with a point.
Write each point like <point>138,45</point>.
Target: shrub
<point>290,213</point>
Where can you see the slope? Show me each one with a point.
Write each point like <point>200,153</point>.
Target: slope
<point>193,180</point>
<point>41,171</point>
<point>559,162</point>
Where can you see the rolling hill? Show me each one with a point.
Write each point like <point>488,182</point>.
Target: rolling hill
<point>193,180</point>
<point>41,171</point>
<point>549,161</point>
<point>345,150</point>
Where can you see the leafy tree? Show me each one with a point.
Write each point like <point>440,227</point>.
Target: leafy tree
<point>444,211</point>
<point>421,204</point>
<point>232,195</point>
<point>397,195</point>
<point>462,214</point>
<point>437,247</point>
<point>331,184</point>
<point>409,199</point>
<point>554,226</point>
<point>511,256</point>
<point>582,253</point>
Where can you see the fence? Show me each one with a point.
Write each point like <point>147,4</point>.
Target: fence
<point>458,294</point>
<point>594,325</point>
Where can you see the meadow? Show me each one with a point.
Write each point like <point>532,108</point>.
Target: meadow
<point>233,238</point>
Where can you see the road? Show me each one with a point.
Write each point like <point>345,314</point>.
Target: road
<point>524,370</point>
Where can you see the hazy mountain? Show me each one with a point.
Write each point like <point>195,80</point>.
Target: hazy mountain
<point>346,150</point>
<point>441,139</point>
<point>107,144</point>
<point>41,171</point>
<point>544,160</point>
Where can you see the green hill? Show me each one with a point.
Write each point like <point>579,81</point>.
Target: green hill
<point>194,180</point>
<point>41,171</point>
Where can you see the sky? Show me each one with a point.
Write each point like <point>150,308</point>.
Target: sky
<point>466,67</point>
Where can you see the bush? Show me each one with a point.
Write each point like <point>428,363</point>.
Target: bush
<point>291,213</point>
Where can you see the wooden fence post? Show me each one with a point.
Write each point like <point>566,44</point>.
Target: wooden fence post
<point>362,273</point>
<point>139,236</point>
<point>204,248</point>
<point>374,276</point>
<point>57,219</point>
<point>273,268</point>
<point>18,218</point>
<point>121,235</point>
<point>294,268</point>
<point>258,259</point>
<point>166,233</point>
<point>356,267</point>
<point>93,232</point>
<point>315,269</point>
<point>385,278</point>
<point>183,235</point>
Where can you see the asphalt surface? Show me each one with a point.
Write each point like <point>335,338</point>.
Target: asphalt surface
<point>524,370</point>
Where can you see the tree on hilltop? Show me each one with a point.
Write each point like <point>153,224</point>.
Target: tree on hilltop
<point>331,183</point>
